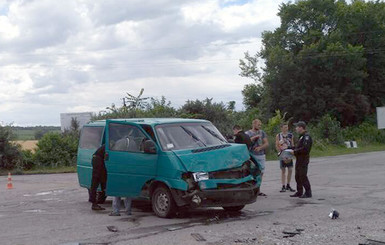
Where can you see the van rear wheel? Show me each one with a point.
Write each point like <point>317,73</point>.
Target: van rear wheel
<point>162,202</point>
<point>234,208</point>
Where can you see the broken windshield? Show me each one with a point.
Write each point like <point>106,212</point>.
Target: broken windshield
<point>188,136</point>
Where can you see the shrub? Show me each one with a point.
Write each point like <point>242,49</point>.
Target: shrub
<point>366,133</point>
<point>327,130</point>
<point>9,153</point>
<point>56,149</point>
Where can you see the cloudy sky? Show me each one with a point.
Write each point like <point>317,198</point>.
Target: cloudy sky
<point>83,55</point>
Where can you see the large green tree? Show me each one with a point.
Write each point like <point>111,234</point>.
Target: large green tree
<point>325,57</point>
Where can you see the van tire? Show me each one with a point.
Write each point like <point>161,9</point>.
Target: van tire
<point>234,208</point>
<point>162,202</point>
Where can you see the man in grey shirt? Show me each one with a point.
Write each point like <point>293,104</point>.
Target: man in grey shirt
<point>260,142</point>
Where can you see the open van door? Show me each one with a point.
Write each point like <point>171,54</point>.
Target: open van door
<point>128,166</point>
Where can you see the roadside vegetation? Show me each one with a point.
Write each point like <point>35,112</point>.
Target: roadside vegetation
<point>324,64</point>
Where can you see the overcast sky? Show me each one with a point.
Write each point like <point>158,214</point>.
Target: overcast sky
<point>83,55</point>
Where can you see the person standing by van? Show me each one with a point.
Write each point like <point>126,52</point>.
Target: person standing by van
<point>99,176</point>
<point>260,142</point>
<point>285,140</point>
<point>240,137</point>
<point>116,206</point>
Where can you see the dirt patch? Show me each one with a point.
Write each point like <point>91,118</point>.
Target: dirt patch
<point>27,144</point>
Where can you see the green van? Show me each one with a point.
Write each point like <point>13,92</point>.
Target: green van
<point>170,162</point>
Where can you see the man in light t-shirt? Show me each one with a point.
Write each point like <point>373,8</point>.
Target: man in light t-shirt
<point>260,142</point>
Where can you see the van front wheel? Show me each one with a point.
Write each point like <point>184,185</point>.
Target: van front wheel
<point>163,204</point>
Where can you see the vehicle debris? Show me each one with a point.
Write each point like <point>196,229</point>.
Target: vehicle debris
<point>334,214</point>
<point>198,237</point>
<point>292,233</point>
<point>112,228</point>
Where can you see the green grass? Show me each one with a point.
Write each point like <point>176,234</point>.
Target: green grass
<point>41,170</point>
<point>25,134</point>
<point>332,150</point>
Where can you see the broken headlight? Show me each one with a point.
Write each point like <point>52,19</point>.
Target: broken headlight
<point>199,176</point>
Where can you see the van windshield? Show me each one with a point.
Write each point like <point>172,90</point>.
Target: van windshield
<point>188,136</point>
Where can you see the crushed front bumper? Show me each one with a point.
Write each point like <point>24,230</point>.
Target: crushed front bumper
<point>217,197</point>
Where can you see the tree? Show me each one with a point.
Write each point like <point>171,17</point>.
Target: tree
<point>324,58</point>
<point>135,102</point>
<point>10,154</point>
<point>218,113</point>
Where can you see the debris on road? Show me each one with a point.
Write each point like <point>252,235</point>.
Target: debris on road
<point>198,237</point>
<point>292,233</point>
<point>373,242</point>
<point>246,240</point>
<point>112,228</point>
<point>334,214</point>
<point>175,228</point>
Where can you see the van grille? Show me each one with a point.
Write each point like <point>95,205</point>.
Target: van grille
<point>235,173</point>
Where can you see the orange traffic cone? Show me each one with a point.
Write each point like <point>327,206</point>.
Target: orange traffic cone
<point>9,185</point>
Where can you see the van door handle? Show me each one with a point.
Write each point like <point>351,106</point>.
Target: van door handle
<point>106,157</point>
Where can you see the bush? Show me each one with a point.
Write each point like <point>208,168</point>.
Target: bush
<point>9,153</point>
<point>56,149</point>
<point>327,131</point>
<point>366,133</point>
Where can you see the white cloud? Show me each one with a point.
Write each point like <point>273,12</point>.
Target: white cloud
<point>84,55</point>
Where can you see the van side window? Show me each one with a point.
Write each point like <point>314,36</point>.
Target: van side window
<point>124,137</point>
<point>90,137</point>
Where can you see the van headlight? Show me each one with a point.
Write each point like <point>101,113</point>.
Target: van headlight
<point>199,176</point>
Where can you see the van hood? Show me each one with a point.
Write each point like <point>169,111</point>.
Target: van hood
<point>213,158</point>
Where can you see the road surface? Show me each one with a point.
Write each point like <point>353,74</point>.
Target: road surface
<point>53,209</point>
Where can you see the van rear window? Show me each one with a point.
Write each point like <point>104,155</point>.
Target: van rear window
<point>91,137</point>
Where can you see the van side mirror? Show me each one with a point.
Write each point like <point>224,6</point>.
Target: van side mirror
<point>149,147</point>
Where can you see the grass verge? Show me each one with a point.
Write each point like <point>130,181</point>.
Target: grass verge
<point>332,150</point>
<point>41,170</point>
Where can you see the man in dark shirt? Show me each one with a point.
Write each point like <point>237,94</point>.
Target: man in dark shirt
<point>99,176</point>
<point>302,154</point>
<point>241,137</point>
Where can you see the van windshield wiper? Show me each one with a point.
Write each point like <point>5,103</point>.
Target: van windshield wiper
<point>214,134</point>
<point>193,135</point>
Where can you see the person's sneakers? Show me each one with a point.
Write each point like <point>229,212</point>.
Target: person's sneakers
<point>262,194</point>
<point>288,187</point>
<point>114,214</point>
<point>296,195</point>
<point>283,189</point>
<point>96,207</point>
<point>306,196</point>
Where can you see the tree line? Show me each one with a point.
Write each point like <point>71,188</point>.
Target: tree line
<point>326,57</point>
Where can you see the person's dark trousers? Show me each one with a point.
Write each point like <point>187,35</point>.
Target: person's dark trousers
<point>302,179</point>
<point>99,177</point>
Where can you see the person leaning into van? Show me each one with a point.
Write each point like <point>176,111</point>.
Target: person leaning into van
<point>99,176</point>
<point>285,140</point>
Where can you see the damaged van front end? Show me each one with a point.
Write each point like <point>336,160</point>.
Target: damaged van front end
<point>221,176</point>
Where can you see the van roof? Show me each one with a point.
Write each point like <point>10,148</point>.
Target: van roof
<point>150,121</point>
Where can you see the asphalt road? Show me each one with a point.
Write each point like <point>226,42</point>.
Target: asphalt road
<point>53,209</point>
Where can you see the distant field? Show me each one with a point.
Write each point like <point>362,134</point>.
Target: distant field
<point>28,133</point>
<point>27,144</point>
<point>25,134</point>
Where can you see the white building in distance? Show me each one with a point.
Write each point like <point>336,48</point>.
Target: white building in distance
<point>81,117</point>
